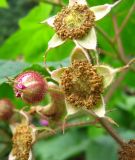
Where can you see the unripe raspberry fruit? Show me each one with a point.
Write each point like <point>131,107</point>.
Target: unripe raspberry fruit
<point>6,109</point>
<point>30,86</point>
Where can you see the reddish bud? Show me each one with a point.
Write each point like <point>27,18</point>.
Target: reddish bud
<point>6,109</point>
<point>30,86</point>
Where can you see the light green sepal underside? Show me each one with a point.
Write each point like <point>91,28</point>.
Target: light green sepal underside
<point>107,72</point>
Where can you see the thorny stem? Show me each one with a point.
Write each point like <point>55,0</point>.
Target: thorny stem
<point>121,52</point>
<point>125,21</point>
<point>68,125</point>
<point>121,55</point>
<point>106,36</point>
<point>111,131</point>
<point>103,121</point>
<point>105,124</point>
<point>114,86</point>
<point>102,51</point>
<point>127,66</point>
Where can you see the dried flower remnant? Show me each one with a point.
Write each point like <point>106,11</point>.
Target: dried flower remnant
<point>6,109</point>
<point>23,139</point>
<point>127,152</point>
<point>30,86</point>
<point>76,22</point>
<point>82,85</point>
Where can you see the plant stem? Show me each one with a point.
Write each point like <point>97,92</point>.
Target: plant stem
<point>121,52</point>
<point>45,134</point>
<point>114,86</point>
<point>123,58</point>
<point>104,52</point>
<point>106,36</point>
<point>111,131</point>
<point>104,121</point>
<point>131,10</point>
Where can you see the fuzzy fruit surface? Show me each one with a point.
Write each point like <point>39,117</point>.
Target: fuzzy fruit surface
<point>30,86</point>
<point>6,109</point>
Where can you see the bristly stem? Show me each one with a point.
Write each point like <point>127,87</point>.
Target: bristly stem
<point>121,52</point>
<point>125,21</point>
<point>45,134</point>
<point>114,86</point>
<point>104,121</point>
<point>106,36</point>
<point>111,131</point>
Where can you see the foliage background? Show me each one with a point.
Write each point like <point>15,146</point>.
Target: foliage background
<point>23,41</point>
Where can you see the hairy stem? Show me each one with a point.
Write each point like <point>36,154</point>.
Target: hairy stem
<point>45,134</point>
<point>106,36</point>
<point>125,21</point>
<point>114,86</point>
<point>104,121</point>
<point>121,52</point>
<point>111,131</point>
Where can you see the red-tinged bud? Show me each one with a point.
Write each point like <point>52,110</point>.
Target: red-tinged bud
<point>30,86</point>
<point>44,122</point>
<point>6,109</point>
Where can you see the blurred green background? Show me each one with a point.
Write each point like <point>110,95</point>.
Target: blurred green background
<point>23,41</point>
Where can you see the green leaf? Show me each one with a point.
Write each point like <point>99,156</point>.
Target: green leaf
<point>127,103</point>
<point>102,148</point>
<point>105,148</point>
<point>39,68</point>
<point>35,16</point>
<point>31,40</point>
<point>61,147</point>
<point>6,91</point>
<point>10,69</point>
<point>3,4</point>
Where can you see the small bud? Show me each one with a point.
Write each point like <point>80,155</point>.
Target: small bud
<point>30,86</point>
<point>44,122</point>
<point>6,109</point>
